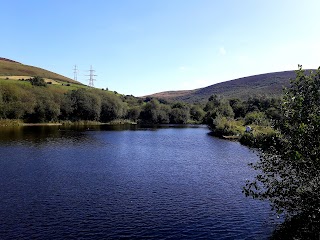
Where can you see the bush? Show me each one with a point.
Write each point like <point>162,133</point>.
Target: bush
<point>289,169</point>
<point>258,118</point>
<point>38,81</point>
<point>258,140</point>
<point>222,126</point>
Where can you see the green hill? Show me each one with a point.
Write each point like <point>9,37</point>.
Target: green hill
<point>14,70</point>
<point>269,84</point>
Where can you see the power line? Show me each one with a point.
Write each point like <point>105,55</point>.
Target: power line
<point>75,73</point>
<point>91,77</point>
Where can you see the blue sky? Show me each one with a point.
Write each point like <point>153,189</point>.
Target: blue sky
<point>141,47</point>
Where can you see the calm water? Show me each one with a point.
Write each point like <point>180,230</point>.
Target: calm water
<point>100,183</point>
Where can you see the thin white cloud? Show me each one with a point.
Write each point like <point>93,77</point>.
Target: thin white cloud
<point>183,68</point>
<point>196,83</point>
<point>222,51</point>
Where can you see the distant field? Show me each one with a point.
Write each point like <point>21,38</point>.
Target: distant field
<point>14,70</point>
<point>27,77</point>
<point>60,87</point>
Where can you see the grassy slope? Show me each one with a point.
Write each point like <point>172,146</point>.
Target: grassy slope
<point>269,84</point>
<point>58,88</point>
<point>10,68</point>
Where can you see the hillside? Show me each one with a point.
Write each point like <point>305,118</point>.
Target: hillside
<point>269,84</point>
<point>13,70</point>
<point>25,100</point>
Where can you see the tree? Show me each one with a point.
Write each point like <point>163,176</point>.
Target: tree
<point>134,113</point>
<point>179,114</point>
<point>197,114</point>
<point>239,108</point>
<point>38,81</point>
<point>111,107</point>
<point>258,118</point>
<point>217,107</point>
<point>86,105</point>
<point>46,109</point>
<point>66,107</point>
<point>15,101</point>
<point>289,169</point>
<point>154,112</point>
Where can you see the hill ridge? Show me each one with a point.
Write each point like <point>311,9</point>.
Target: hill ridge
<point>8,60</point>
<point>270,84</point>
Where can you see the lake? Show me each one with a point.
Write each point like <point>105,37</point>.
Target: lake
<point>132,182</point>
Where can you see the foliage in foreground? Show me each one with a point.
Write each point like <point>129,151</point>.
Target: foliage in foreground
<point>289,169</point>
<point>301,226</point>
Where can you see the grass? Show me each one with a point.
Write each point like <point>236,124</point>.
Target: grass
<point>64,88</point>
<point>121,121</point>
<point>27,77</point>
<point>58,87</point>
<point>260,137</point>
<point>10,122</point>
<point>231,129</point>
<point>226,128</point>
<point>14,70</point>
<point>18,122</point>
<point>85,122</point>
<point>257,129</point>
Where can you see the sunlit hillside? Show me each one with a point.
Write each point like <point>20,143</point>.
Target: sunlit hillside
<point>269,84</point>
<point>14,70</point>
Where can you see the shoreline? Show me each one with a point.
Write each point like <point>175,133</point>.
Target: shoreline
<point>19,123</point>
<point>41,124</point>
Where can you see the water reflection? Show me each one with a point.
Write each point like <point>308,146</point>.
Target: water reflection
<point>40,134</point>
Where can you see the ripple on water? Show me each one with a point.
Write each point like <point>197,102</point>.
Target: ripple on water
<point>164,184</point>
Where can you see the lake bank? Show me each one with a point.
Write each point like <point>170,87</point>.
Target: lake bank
<point>235,130</point>
<point>18,122</point>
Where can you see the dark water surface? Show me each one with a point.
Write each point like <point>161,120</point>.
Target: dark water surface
<point>111,183</point>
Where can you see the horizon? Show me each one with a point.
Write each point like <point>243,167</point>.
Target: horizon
<point>143,47</point>
<point>181,90</point>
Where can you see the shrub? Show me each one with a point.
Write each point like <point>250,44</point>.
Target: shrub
<point>258,118</point>
<point>222,126</point>
<point>38,81</point>
<point>289,170</point>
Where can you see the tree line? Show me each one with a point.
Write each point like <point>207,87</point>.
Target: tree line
<point>35,101</point>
